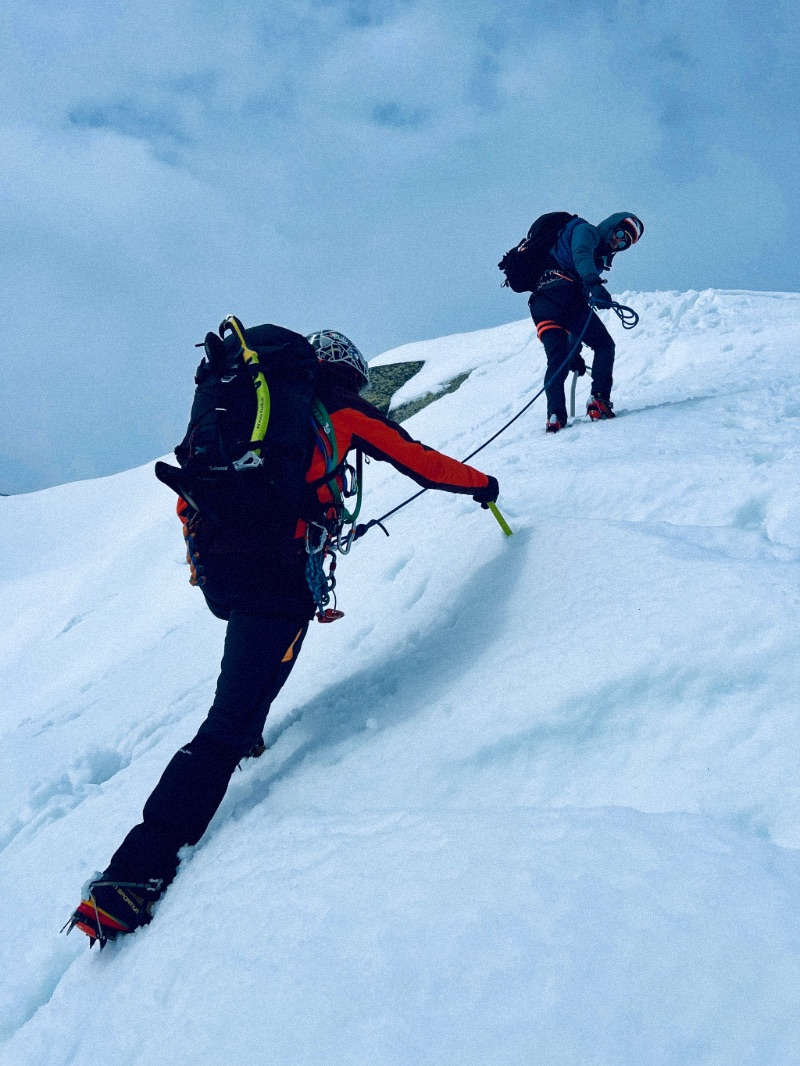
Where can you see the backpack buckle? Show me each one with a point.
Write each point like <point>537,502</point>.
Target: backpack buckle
<point>249,461</point>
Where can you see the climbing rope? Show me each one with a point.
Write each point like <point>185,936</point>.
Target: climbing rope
<point>629,319</point>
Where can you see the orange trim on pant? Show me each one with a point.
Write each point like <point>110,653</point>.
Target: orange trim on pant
<point>290,650</point>
<point>548,323</point>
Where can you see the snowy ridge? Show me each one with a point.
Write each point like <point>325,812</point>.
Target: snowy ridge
<point>531,801</point>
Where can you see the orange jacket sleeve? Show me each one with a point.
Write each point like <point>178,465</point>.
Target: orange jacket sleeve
<point>361,425</point>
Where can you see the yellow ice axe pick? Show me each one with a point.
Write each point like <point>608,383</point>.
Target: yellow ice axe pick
<point>263,404</point>
<point>506,528</point>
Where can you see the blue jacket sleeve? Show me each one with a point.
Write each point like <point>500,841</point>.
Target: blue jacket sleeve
<point>584,243</point>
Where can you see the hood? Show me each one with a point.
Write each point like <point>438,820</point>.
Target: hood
<point>608,225</point>
<point>606,228</point>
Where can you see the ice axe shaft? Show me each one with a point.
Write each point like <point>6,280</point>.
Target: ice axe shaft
<point>506,528</point>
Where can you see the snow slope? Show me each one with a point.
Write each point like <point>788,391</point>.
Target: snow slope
<point>532,801</point>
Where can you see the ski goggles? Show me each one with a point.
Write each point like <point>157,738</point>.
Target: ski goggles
<point>619,240</point>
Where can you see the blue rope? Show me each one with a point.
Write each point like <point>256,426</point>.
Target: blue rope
<point>318,581</point>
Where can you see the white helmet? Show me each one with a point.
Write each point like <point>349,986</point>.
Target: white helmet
<point>333,347</point>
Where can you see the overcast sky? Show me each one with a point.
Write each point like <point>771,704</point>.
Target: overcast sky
<point>352,164</point>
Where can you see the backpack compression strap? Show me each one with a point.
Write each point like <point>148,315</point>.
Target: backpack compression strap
<point>253,456</point>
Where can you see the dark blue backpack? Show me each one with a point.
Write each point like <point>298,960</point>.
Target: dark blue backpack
<point>524,265</point>
<point>245,453</point>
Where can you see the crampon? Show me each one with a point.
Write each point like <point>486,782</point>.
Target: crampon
<point>110,909</point>
<point>599,408</point>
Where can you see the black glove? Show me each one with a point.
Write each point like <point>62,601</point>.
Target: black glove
<point>488,494</point>
<point>578,364</point>
<point>596,291</point>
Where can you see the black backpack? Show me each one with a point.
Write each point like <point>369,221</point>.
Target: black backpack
<point>245,454</point>
<point>524,265</point>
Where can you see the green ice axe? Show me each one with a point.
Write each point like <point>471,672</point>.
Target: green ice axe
<point>263,403</point>
<point>506,528</point>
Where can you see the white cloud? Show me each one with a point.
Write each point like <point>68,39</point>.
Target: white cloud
<point>361,163</point>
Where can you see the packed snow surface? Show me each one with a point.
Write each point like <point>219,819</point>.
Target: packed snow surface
<point>532,801</point>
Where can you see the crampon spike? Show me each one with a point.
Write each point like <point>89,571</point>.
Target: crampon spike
<point>87,919</point>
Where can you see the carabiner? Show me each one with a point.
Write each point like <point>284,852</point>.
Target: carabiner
<point>323,538</point>
<point>349,481</point>
<point>344,543</point>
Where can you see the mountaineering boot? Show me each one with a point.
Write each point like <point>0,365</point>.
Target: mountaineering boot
<point>554,424</point>
<point>109,909</point>
<point>599,407</point>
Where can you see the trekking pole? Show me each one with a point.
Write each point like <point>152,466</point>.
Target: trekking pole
<point>572,394</point>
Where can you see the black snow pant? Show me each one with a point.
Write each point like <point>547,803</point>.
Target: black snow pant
<point>560,312</point>
<point>260,650</point>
